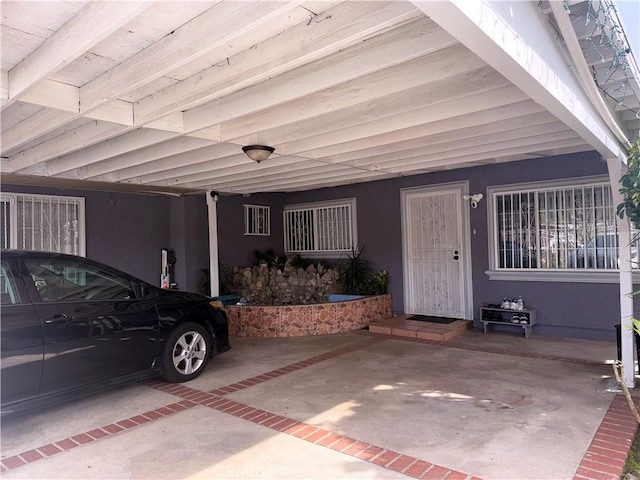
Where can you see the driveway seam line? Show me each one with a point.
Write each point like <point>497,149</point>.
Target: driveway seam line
<point>497,351</point>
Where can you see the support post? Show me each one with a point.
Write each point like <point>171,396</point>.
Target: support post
<point>212,202</point>
<point>626,279</point>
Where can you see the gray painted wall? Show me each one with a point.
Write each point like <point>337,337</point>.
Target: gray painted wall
<point>128,232</point>
<point>582,310</point>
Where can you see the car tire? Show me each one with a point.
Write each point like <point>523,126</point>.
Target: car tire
<point>186,353</point>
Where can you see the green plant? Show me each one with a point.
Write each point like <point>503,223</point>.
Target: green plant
<point>268,257</point>
<point>357,272</point>
<point>380,282</point>
<point>630,189</point>
<point>225,280</point>
<point>299,262</point>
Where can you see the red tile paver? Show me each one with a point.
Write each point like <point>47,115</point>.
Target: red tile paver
<point>401,464</point>
<point>31,456</point>
<point>67,444</point>
<point>436,473</point>
<point>386,458</point>
<point>13,462</point>
<point>82,438</point>
<point>49,449</point>
<point>418,469</point>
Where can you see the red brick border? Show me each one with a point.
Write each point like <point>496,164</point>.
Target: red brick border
<point>608,451</point>
<point>91,436</point>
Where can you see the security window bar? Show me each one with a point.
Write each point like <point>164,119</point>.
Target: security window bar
<point>566,228</point>
<point>6,219</point>
<point>257,220</point>
<point>43,223</point>
<point>319,229</point>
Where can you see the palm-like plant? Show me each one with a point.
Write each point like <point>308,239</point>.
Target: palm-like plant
<point>357,272</point>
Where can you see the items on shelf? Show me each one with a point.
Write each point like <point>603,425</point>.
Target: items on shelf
<point>512,304</point>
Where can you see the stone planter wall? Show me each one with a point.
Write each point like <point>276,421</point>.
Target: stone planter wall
<point>302,320</point>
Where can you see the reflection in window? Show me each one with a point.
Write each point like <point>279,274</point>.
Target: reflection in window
<point>8,292</point>
<point>569,227</point>
<point>66,281</point>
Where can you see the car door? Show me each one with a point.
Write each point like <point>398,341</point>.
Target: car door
<point>21,344</point>
<point>94,326</point>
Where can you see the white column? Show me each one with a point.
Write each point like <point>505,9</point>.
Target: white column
<point>626,280</point>
<point>212,201</point>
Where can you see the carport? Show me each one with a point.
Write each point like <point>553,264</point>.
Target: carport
<point>160,97</point>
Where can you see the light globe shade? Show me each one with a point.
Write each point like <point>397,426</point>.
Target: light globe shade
<point>258,153</point>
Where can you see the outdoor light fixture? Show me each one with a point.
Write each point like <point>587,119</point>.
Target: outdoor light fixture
<point>475,198</point>
<point>258,153</point>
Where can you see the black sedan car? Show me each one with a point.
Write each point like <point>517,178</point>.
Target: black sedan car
<point>72,326</point>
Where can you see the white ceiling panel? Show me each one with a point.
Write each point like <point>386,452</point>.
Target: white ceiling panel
<point>163,96</point>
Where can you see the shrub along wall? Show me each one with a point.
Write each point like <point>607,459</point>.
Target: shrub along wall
<point>269,285</point>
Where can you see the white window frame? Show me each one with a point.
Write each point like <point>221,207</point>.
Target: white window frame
<point>14,221</point>
<point>261,224</point>
<point>350,203</point>
<point>534,274</point>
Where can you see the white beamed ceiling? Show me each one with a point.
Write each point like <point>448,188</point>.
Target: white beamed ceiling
<point>161,96</point>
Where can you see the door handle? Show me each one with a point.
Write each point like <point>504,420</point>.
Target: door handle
<point>59,318</point>
<point>455,257</point>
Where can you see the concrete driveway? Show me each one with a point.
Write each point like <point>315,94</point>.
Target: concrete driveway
<point>354,405</point>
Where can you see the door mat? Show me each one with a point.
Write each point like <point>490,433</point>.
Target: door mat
<point>429,318</point>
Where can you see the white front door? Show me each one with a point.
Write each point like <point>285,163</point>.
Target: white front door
<point>435,251</point>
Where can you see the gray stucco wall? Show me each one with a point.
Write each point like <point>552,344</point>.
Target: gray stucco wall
<point>584,310</point>
<point>128,231</point>
<point>236,248</point>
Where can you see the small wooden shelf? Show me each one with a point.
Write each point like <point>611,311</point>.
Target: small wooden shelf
<point>526,319</point>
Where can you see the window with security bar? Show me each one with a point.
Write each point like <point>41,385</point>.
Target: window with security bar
<point>43,223</point>
<point>557,228</point>
<point>257,220</point>
<point>320,227</point>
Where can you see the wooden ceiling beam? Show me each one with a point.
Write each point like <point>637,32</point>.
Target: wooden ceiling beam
<point>212,29</point>
<point>217,151</point>
<point>513,115</point>
<point>92,24</point>
<point>104,170</point>
<point>446,73</point>
<point>325,34</point>
<point>391,48</point>
<point>349,129</point>
<point>69,142</point>
<point>484,152</point>
<point>456,136</point>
